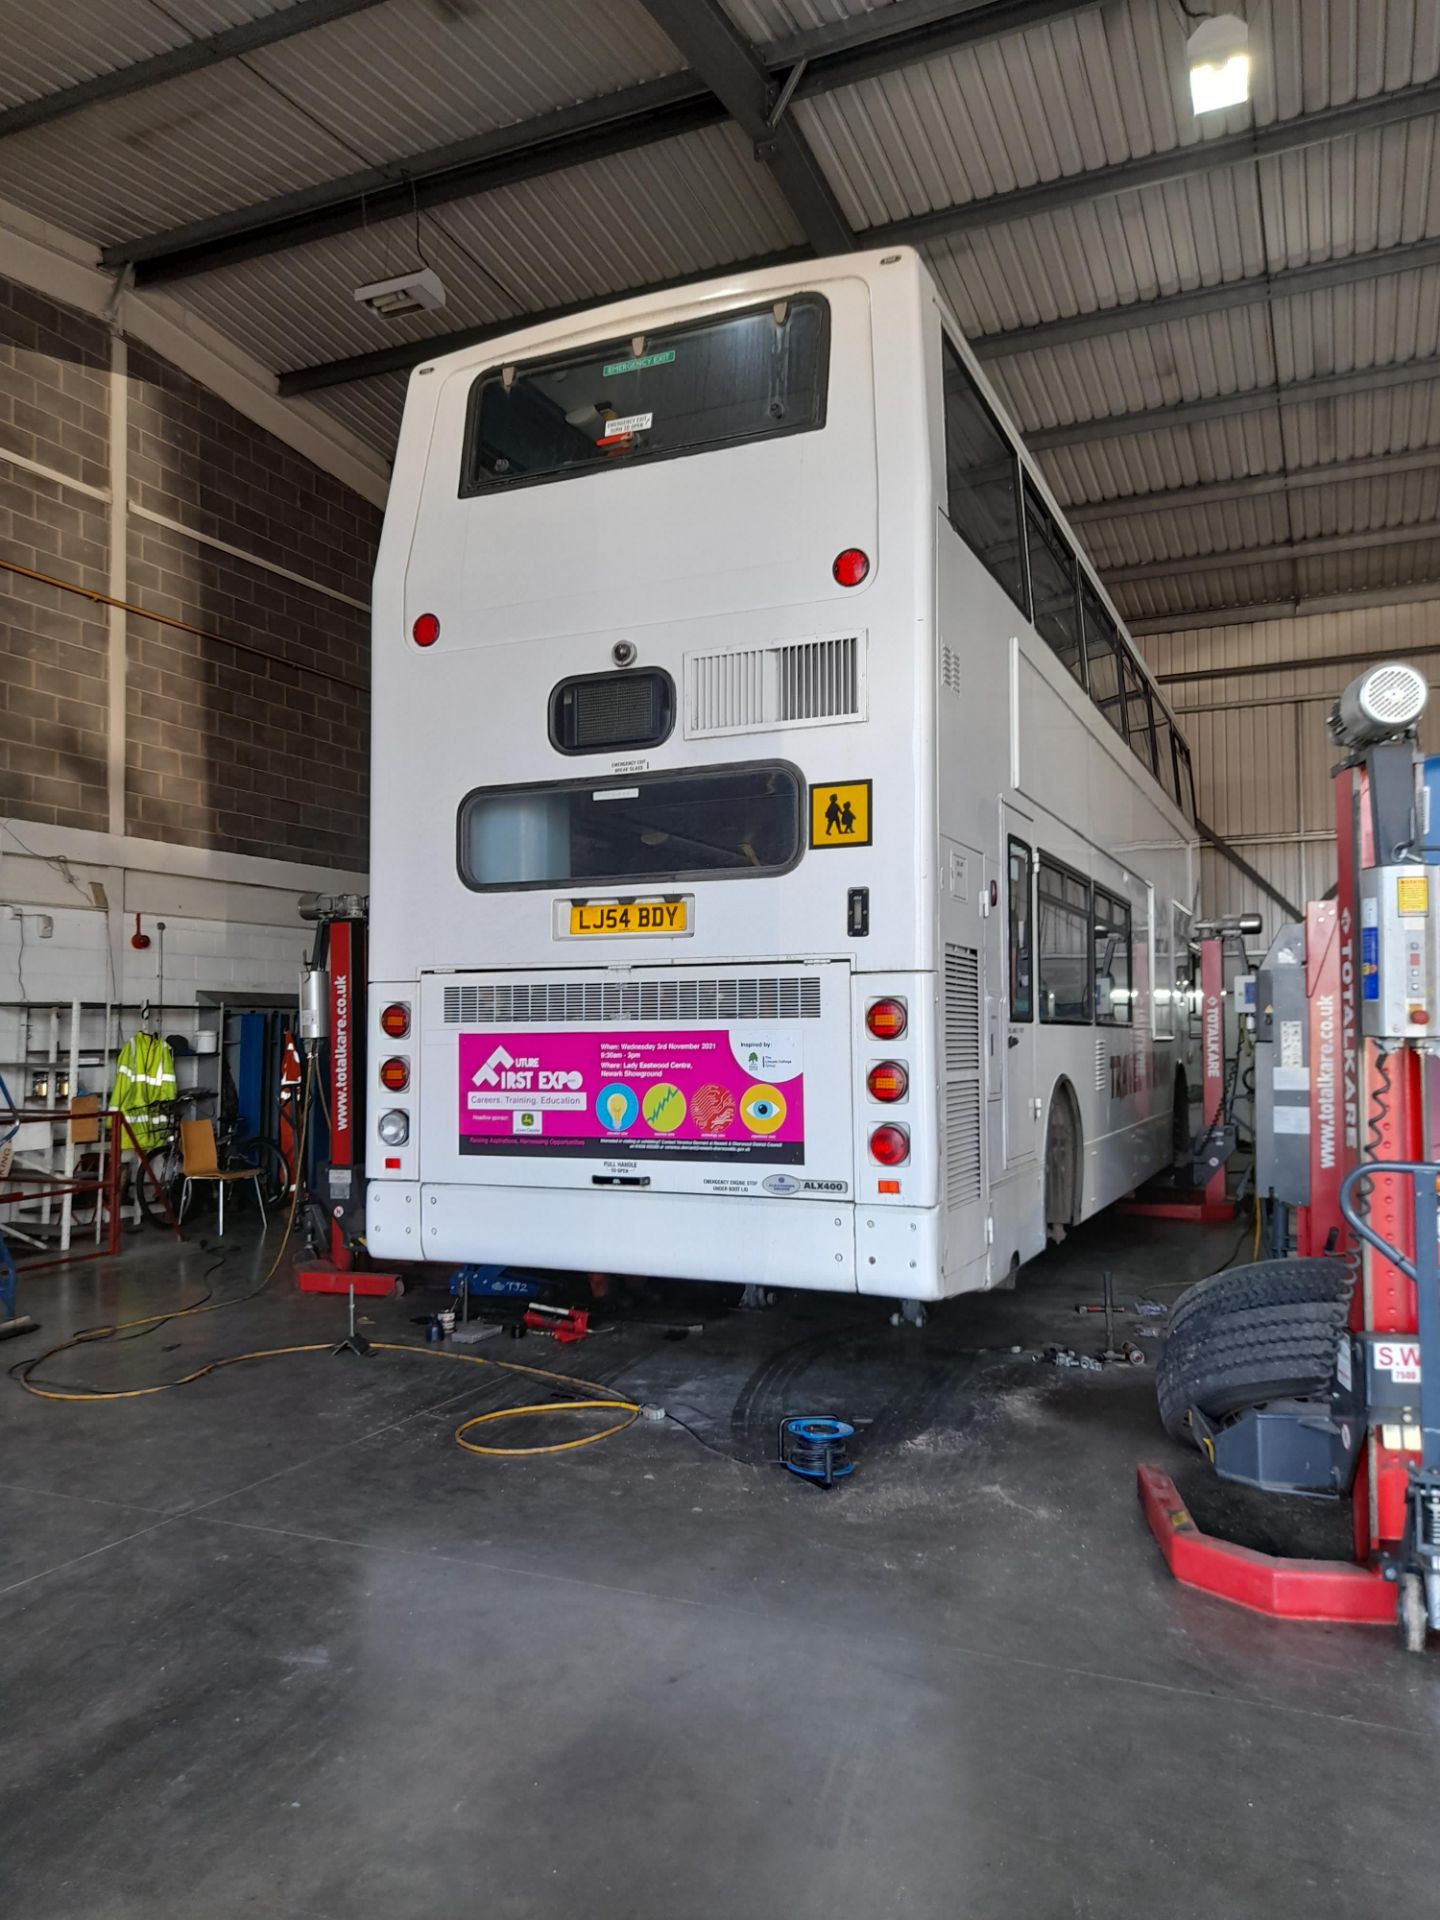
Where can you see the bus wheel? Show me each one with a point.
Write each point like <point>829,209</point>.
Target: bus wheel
<point>1062,1164</point>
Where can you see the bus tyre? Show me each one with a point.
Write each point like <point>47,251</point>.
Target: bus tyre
<point>1062,1164</point>
<point>1253,1334</point>
<point>1265,1283</point>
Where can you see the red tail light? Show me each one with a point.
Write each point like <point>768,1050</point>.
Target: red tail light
<point>426,630</point>
<point>851,567</point>
<point>887,1019</point>
<point>890,1145</point>
<point>395,1020</point>
<point>887,1081</point>
<point>395,1074</point>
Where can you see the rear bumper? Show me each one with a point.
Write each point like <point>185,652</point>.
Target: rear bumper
<point>824,1245</point>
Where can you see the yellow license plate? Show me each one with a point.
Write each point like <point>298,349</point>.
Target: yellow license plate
<point>631,916</point>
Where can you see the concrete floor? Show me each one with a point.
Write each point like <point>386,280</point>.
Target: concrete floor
<point>274,1646</point>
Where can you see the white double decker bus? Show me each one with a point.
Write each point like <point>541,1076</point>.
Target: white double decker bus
<point>781,862</point>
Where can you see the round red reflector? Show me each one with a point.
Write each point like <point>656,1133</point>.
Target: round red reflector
<point>890,1146</point>
<point>395,1075</point>
<point>426,630</point>
<point>887,1019</point>
<point>887,1081</point>
<point>851,567</point>
<point>395,1020</point>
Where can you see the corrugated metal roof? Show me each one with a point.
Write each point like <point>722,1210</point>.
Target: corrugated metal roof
<point>369,408</point>
<point>1088,89</point>
<point>1311,434</point>
<point>169,154</point>
<point>358,92</point>
<point>61,46</point>
<point>1259,582</point>
<point>674,208</point>
<point>765,21</point>
<point>413,74</point>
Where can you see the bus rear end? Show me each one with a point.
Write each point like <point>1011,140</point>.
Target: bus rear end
<point>652,903</point>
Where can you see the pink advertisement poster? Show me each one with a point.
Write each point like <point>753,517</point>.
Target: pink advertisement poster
<point>692,1094</point>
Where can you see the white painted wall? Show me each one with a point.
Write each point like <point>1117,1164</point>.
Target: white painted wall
<point>232,928</point>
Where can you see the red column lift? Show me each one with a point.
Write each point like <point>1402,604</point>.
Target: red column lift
<point>1372,987</point>
<point>1204,1202</point>
<point>332,1027</point>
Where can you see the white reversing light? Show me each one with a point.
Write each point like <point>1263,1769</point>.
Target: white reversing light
<point>1219,56</point>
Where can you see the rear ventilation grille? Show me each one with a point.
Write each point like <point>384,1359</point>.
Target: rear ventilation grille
<point>950,669</point>
<point>803,684</point>
<point>963,1172</point>
<point>1102,1067</point>
<point>550,1003</point>
<point>962,1010</point>
<point>962,1143</point>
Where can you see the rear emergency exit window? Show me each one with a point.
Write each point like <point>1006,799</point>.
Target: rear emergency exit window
<point>650,396</point>
<point>712,823</point>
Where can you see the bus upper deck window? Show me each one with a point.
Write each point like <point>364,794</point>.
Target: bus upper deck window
<point>652,395</point>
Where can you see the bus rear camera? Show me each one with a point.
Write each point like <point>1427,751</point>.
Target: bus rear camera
<point>624,653</point>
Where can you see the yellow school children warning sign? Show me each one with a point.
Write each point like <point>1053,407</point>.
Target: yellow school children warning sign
<point>840,813</point>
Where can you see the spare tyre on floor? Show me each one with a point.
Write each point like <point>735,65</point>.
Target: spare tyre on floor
<point>1250,1334</point>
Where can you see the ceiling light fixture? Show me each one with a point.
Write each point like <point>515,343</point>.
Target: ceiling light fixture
<point>1219,56</point>
<point>420,290</point>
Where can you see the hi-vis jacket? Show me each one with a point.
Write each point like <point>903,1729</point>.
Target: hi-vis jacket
<point>144,1075</point>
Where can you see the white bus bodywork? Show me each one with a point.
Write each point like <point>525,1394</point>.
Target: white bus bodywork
<point>717,567</point>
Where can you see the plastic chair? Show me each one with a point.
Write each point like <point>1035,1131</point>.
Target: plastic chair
<point>200,1160</point>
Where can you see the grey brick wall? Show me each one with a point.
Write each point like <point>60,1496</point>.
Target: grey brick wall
<point>250,735</point>
<point>195,459</point>
<point>53,400</point>
<point>258,746</point>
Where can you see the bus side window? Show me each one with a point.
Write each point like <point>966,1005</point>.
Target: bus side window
<point>1187,779</point>
<point>1162,970</point>
<point>1113,998</point>
<point>1165,753</point>
<point>981,478</point>
<point>1063,900</point>
<point>1052,585</point>
<point>1137,707</point>
<point>1102,654</point>
<point>1022,992</point>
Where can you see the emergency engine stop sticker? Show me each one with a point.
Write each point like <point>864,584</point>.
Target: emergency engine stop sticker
<point>689,1094</point>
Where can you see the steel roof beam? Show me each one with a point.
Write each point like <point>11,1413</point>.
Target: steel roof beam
<point>719,54</point>
<point>1159,169</point>
<point>1255,289</point>
<point>1324,386</point>
<point>835,56</point>
<point>300,17</point>
<point>1255,487</point>
<point>1262,556</point>
<point>412,353</point>
<point>1252,291</point>
<point>1205,618</point>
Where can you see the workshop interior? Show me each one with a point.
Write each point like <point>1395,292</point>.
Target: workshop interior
<point>719,957</point>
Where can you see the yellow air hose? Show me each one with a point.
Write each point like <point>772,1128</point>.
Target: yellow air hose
<point>89,1336</point>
